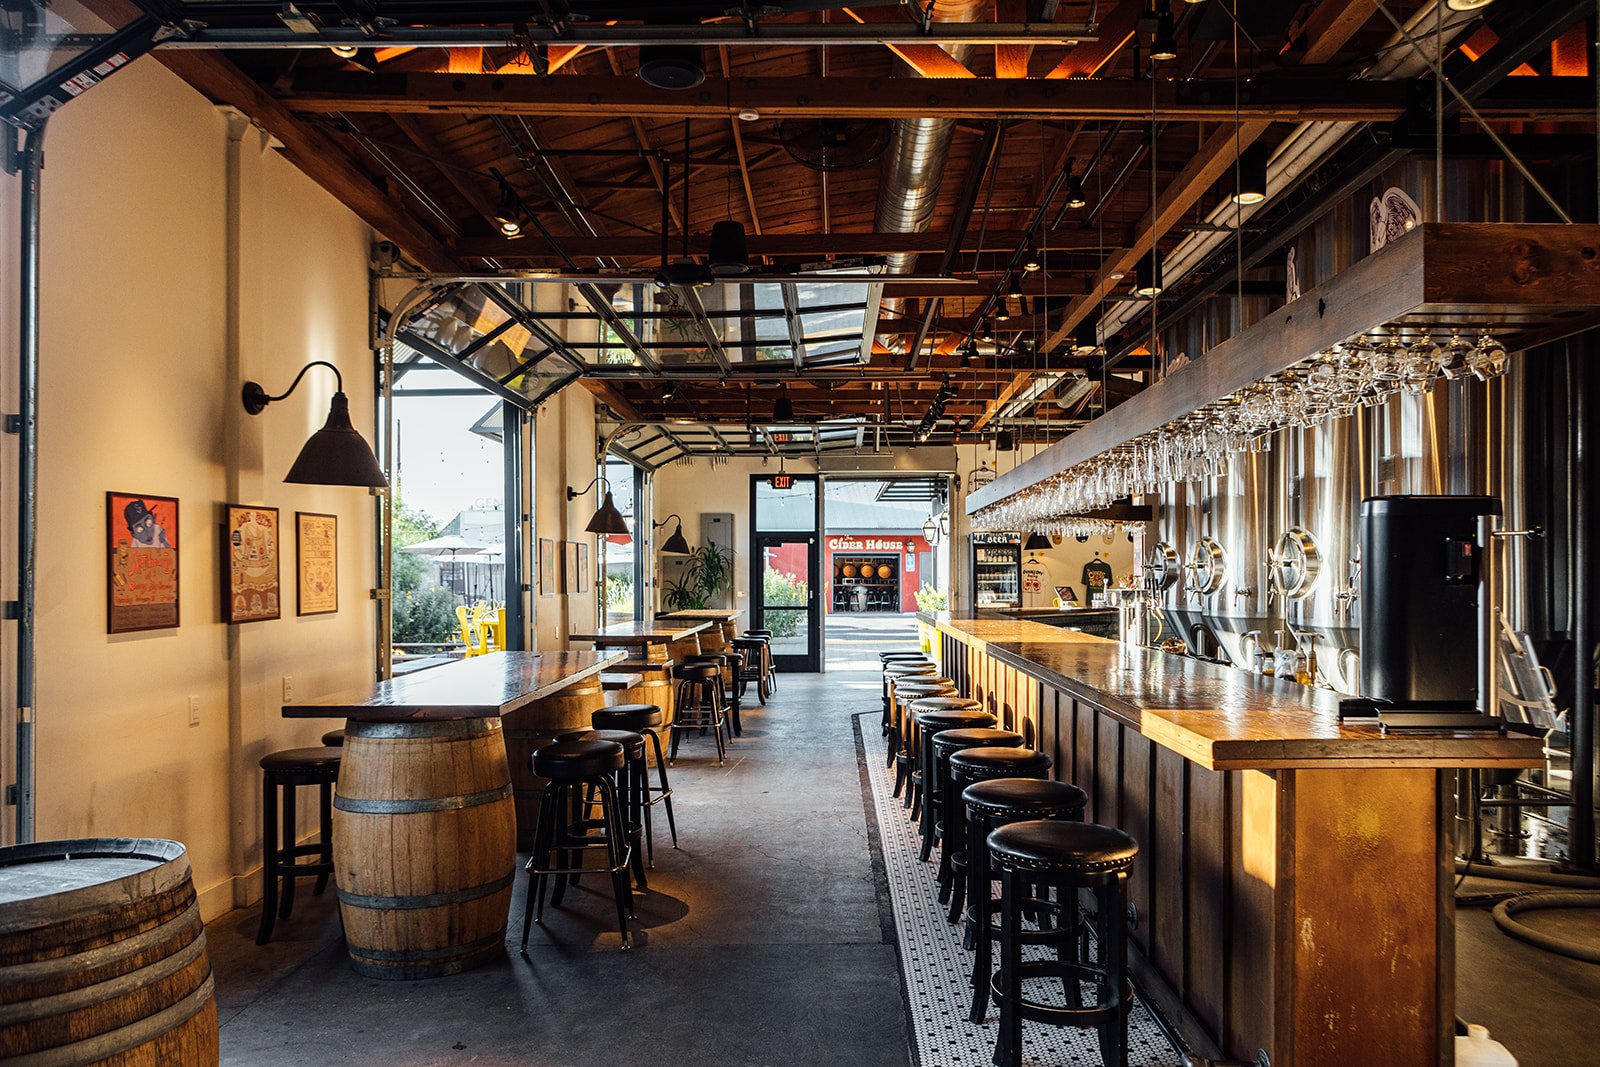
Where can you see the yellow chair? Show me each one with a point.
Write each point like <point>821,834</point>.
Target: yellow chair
<point>471,636</point>
<point>492,625</point>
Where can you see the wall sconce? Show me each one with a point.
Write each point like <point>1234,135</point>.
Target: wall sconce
<point>335,454</point>
<point>607,519</point>
<point>675,545</point>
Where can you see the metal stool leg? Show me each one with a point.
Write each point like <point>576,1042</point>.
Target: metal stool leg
<point>269,861</point>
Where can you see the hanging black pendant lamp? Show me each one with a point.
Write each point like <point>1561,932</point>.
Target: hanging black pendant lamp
<point>1037,542</point>
<point>1147,275</point>
<point>783,407</point>
<point>1005,441</point>
<point>1165,45</point>
<point>1086,337</point>
<point>335,454</point>
<point>1252,175</point>
<point>1075,197</point>
<point>728,254</point>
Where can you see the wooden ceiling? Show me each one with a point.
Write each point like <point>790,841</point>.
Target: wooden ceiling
<point>410,137</point>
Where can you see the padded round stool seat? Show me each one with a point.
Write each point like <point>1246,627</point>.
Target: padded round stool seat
<point>946,703</point>
<point>570,760</point>
<point>635,717</point>
<point>1035,798</point>
<point>1075,847</point>
<point>936,719</point>
<point>978,764</point>
<point>302,759</point>
<point>333,738</point>
<point>983,737</point>
<point>632,743</point>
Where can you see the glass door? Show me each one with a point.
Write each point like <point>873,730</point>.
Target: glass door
<point>786,599</point>
<point>785,562</point>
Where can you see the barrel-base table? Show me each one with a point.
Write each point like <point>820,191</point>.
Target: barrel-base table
<point>424,822</point>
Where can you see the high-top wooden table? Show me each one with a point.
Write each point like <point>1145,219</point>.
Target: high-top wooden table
<point>719,636</point>
<point>656,641</point>
<point>424,832</point>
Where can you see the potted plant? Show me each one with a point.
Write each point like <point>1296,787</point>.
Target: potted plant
<point>929,600</point>
<point>706,573</point>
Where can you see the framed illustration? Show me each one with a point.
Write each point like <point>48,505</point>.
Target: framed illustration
<point>141,562</point>
<point>570,555</point>
<point>549,567</point>
<point>251,540</point>
<point>316,539</point>
<point>583,567</point>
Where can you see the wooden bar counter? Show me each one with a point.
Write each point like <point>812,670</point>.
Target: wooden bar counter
<point>424,845</point>
<point>1294,889</point>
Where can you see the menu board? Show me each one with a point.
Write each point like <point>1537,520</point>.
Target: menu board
<point>317,563</point>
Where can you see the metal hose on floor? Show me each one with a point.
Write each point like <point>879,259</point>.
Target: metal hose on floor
<point>1575,891</point>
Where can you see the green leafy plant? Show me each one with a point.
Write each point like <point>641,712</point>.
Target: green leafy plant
<point>619,592</point>
<point>931,599</point>
<point>425,617</point>
<point>706,574</point>
<point>779,590</point>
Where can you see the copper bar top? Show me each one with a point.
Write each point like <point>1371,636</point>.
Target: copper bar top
<point>1221,717</point>
<point>479,687</point>
<point>645,632</point>
<point>700,615</point>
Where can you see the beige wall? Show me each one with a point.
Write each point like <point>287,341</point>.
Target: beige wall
<point>564,454</point>
<point>175,266</point>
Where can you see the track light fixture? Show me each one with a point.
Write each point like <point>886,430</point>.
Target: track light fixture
<point>1252,187</point>
<point>969,352</point>
<point>1147,276</point>
<point>345,51</point>
<point>1002,310</point>
<point>509,212</point>
<point>1165,45</point>
<point>1031,261</point>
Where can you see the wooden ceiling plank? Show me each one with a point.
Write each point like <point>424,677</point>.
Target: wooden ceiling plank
<point>738,147</point>
<point>1011,60</point>
<point>470,191</point>
<point>791,244</point>
<point>643,140</point>
<point>1090,58</point>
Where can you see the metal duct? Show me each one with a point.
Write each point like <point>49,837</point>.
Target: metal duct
<point>917,156</point>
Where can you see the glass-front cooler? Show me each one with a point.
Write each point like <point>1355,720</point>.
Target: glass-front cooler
<point>997,570</point>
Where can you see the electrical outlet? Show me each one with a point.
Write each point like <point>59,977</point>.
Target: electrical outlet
<point>288,688</point>
<point>194,711</point>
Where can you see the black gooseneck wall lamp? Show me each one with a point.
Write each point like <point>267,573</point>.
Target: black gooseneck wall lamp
<point>674,545</point>
<point>335,454</point>
<point>607,519</point>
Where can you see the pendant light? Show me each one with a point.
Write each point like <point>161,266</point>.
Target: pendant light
<point>1005,441</point>
<point>1165,45</point>
<point>783,407</point>
<point>508,212</point>
<point>1086,337</point>
<point>1037,542</point>
<point>336,454</point>
<point>606,519</point>
<point>1075,197</point>
<point>1002,310</point>
<point>728,253</point>
<point>1252,187</point>
<point>1031,260</point>
<point>1147,275</point>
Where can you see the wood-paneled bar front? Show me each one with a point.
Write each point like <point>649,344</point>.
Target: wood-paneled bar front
<point>1293,894</point>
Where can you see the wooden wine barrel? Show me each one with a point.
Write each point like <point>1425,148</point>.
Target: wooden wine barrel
<point>677,651</point>
<point>103,956</point>
<point>424,846</point>
<point>536,724</point>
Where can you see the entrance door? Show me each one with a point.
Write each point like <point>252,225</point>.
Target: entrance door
<point>786,599</point>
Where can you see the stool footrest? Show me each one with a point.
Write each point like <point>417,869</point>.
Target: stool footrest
<point>627,857</point>
<point>1102,1011</point>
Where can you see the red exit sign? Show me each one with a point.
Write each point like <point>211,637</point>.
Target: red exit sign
<point>783,481</point>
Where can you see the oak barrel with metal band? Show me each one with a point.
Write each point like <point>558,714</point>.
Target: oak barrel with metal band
<point>424,846</point>
<point>527,728</point>
<point>103,956</point>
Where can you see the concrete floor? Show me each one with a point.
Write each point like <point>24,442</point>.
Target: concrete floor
<point>764,940</point>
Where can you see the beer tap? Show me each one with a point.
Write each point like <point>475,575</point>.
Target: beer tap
<point>1345,597</point>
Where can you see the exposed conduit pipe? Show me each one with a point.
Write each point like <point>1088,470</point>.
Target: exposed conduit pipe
<point>916,161</point>
<point>31,163</point>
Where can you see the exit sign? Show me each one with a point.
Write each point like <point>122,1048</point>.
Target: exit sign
<point>783,481</point>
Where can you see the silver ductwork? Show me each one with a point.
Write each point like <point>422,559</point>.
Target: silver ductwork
<point>914,165</point>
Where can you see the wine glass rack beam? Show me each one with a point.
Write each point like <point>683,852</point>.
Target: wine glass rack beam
<point>1526,284</point>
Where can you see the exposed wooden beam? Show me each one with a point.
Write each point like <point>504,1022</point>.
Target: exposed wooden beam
<point>643,140</point>
<point>1298,99</point>
<point>1329,27</point>
<point>1210,162</point>
<point>779,244</point>
<point>738,148</point>
<point>1114,31</point>
<point>314,152</point>
<point>470,191</point>
<point>992,408</point>
<point>608,394</point>
<point>928,60</point>
<point>1011,60</point>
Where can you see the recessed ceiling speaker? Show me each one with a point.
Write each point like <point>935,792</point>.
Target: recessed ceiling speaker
<point>672,66</point>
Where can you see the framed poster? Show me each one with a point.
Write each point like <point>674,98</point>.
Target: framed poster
<point>570,556</point>
<point>549,567</point>
<point>316,539</point>
<point>583,566</point>
<point>141,562</point>
<point>252,591</point>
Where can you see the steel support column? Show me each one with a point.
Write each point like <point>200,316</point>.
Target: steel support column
<point>31,163</point>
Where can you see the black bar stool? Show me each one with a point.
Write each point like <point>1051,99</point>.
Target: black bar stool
<point>729,662</point>
<point>699,704</point>
<point>893,675</point>
<point>989,806</point>
<point>285,772</point>
<point>906,693</point>
<point>333,739</point>
<point>751,650</point>
<point>632,787</point>
<point>1064,857</point>
<point>946,744</point>
<point>571,769</point>
<point>644,719</point>
<point>967,767</point>
<point>934,716</point>
<point>900,659</point>
<point>769,668</point>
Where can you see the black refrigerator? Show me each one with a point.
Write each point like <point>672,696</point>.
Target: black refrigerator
<point>996,570</point>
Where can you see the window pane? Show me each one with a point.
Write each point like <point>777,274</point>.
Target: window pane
<point>780,510</point>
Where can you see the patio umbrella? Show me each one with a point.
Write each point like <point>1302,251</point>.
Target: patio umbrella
<point>443,549</point>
